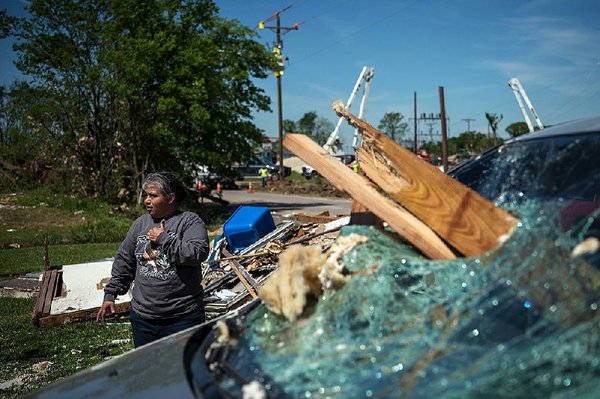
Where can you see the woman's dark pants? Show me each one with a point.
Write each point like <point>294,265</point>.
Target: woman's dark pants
<point>147,330</point>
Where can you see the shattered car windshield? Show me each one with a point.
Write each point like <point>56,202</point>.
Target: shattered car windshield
<point>557,168</point>
<point>518,321</point>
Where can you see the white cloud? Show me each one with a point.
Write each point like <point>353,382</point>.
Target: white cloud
<point>551,52</point>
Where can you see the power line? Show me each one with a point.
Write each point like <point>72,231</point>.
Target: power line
<point>388,16</point>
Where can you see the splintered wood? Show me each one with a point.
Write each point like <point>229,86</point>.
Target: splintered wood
<point>425,206</point>
<point>462,217</point>
<point>343,178</point>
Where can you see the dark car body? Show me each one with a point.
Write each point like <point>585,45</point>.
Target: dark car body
<point>253,167</point>
<point>472,331</point>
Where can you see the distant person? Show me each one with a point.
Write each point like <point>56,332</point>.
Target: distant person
<point>264,174</point>
<point>162,252</point>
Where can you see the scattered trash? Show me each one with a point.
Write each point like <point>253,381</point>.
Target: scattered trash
<point>120,341</point>
<point>11,384</point>
<point>42,368</point>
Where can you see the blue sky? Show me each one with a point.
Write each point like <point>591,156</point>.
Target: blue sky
<point>470,47</point>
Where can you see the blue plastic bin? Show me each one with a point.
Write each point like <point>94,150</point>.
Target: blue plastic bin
<point>247,225</point>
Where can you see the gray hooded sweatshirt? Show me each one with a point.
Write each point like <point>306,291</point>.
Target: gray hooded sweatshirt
<point>170,286</point>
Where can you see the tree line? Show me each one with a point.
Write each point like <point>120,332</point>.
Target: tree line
<point>393,124</point>
<point>114,89</point>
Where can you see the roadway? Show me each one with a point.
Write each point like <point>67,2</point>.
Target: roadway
<point>286,205</point>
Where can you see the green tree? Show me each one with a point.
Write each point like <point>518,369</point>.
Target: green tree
<point>311,124</point>
<point>27,155</point>
<point>517,128</point>
<point>127,87</point>
<point>307,123</point>
<point>289,126</point>
<point>323,128</point>
<point>392,125</point>
<point>6,24</point>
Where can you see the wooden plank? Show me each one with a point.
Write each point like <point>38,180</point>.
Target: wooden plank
<point>470,223</point>
<point>245,277</point>
<point>320,218</point>
<point>49,294</point>
<point>343,178</point>
<point>39,302</point>
<point>43,302</point>
<point>81,315</point>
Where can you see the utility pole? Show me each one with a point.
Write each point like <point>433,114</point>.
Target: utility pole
<point>444,135</point>
<point>415,120</point>
<point>468,120</point>
<point>278,51</point>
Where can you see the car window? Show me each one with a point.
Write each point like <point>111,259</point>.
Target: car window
<point>559,168</point>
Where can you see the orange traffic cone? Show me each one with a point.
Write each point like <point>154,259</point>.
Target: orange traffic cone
<point>250,189</point>
<point>218,187</point>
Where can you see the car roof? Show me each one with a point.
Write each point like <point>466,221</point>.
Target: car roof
<point>589,125</point>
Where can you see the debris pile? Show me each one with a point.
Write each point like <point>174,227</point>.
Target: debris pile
<point>233,279</point>
<point>240,262</point>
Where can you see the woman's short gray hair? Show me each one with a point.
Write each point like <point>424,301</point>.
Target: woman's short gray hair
<point>167,183</point>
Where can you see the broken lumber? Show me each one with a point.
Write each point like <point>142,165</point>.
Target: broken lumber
<point>81,315</point>
<point>251,285</point>
<point>463,218</point>
<point>343,178</point>
<point>322,217</point>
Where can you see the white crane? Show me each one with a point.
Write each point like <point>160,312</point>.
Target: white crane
<point>519,92</point>
<point>332,144</point>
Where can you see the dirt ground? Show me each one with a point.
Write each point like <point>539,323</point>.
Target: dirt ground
<point>315,186</point>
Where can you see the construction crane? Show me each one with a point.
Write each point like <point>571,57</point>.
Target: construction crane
<point>519,93</point>
<point>333,145</point>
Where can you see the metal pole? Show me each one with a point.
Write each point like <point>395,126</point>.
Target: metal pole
<point>444,137</point>
<point>415,117</point>
<point>280,106</point>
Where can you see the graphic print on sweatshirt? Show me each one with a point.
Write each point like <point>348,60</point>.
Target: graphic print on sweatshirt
<point>153,262</point>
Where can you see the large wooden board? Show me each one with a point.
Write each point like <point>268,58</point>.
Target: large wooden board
<point>343,178</point>
<point>470,223</point>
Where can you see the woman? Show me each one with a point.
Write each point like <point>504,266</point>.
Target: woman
<point>162,252</point>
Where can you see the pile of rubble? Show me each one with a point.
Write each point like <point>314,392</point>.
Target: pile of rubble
<point>236,269</point>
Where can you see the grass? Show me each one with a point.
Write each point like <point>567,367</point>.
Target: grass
<point>28,218</point>
<point>78,230</point>
<point>19,261</point>
<point>39,356</point>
